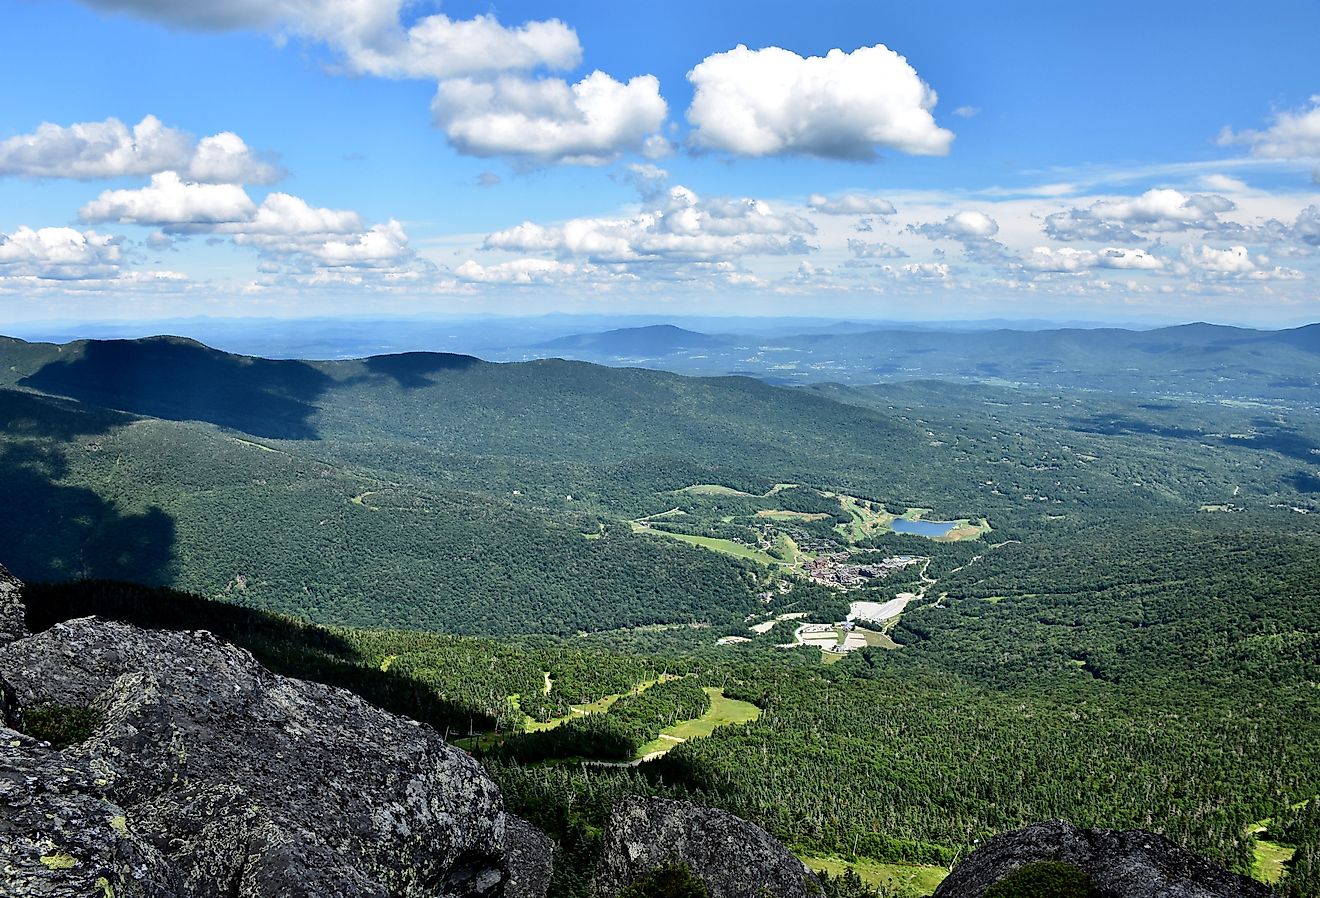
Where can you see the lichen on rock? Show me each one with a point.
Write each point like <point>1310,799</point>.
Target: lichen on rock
<point>733,858</point>
<point>1126,864</point>
<point>206,775</point>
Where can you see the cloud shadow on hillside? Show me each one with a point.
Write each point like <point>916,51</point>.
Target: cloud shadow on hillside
<point>180,380</point>
<point>56,531</point>
<point>410,370</point>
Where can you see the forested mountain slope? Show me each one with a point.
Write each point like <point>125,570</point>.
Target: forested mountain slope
<point>1136,615</point>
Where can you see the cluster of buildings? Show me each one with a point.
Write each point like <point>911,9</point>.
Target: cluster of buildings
<point>835,570</point>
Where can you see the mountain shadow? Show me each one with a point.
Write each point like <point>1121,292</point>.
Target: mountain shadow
<point>1304,482</point>
<point>181,380</point>
<point>410,369</point>
<point>30,415</point>
<point>55,531</point>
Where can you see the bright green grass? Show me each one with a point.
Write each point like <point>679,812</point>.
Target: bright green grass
<point>715,544</point>
<point>599,706</point>
<point>777,514</point>
<point>1267,867</point>
<point>711,489</point>
<point>866,522</point>
<point>920,880</point>
<point>876,639</point>
<point>723,711</point>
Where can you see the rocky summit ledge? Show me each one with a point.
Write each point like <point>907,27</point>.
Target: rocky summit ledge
<point>1126,864</point>
<point>732,858</point>
<point>206,775</point>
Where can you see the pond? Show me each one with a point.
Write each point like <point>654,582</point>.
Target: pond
<point>923,528</point>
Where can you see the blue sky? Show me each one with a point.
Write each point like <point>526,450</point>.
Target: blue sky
<point>939,160</point>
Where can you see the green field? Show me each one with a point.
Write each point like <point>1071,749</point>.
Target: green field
<point>712,489</point>
<point>723,711</point>
<point>902,878</point>
<point>715,544</point>
<point>1267,866</point>
<point>599,706</point>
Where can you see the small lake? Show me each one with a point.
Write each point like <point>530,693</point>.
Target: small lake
<point>923,528</point>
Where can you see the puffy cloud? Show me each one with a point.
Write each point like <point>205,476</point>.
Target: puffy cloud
<point>484,108</point>
<point>678,227</point>
<point>225,158</point>
<point>1081,224</point>
<point>842,105</point>
<point>1164,209</point>
<point>295,238</point>
<point>383,245</point>
<point>1234,263</point>
<point>518,271</point>
<point>1120,220</point>
<point>851,204</point>
<point>1233,260</point>
<point>929,271</point>
<point>372,37</point>
<point>283,215</point>
<point>58,254</point>
<point>172,203</point>
<point>1066,259</point>
<point>440,47</point>
<point>860,249</point>
<point>68,261</point>
<point>547,120</point>
<point>966,225</point>
<point>1293,135</point>
<point>109,149</point>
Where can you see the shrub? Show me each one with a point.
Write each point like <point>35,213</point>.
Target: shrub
<point>670,881</point>
<point>60,725</point>
<point>1047,879</point>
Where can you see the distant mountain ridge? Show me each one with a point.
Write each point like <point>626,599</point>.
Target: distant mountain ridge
<point>652,340</point>
<point>1196,358</point>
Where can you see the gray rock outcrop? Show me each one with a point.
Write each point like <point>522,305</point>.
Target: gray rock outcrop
<point>1127,864</point>
<point>734,858</point>
<point>528,860</point>
<point>209,776</point>
<point>12,625</point>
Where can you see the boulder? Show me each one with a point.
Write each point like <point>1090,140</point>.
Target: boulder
<point>209,776</point>
<point>528,859</point>
<point>734,858</point>
<point>1127,864</point>
<point>12,614</point>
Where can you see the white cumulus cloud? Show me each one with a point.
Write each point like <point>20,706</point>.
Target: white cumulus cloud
<point>1123,219</point>
<point>372,37</point>
<point>548,120</point>
<point>1164,209</point>
<point>842,105</point>
<point>679,227</point>
<point>68,261</point>
<point>517,271</point>
<point>284,215</point>
<point>110,149</point>
<point>58,254</point>
<point>171,203</point>
<point>850,204</point>
<point>964,225</point>
<point>1066,259</point>
<point>1293,135</point>
<point>1233,260</point>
